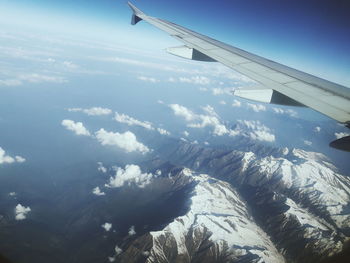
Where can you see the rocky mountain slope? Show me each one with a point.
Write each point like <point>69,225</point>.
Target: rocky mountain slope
<point>288,205</point>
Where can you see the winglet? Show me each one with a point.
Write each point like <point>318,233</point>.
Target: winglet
<point>136,14</point>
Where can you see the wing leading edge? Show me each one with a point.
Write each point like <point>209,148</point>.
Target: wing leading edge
<point>284,85</point>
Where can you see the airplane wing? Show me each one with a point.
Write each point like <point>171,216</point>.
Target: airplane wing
<point>284,85</point>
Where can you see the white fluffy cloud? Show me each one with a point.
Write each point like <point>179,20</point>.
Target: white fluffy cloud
<point>131,175</point>
<point>107,226</point>
<point>256,107</point>
<point>186,133</point>
<point>182,111</point>
<point>126,141</point>
<point>94,111</point>
<point>209,120</point>
<point>4,158</point>
<point>77,127</point>
<point>123,118</point>
<point>339,135</point>
<point>132,231</point>
<point>97,191</point>
<point>21,212</point>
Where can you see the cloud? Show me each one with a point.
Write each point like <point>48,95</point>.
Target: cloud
<point>12,194</point>
<point>77,127</point>
<point>254,130</point>
<point>221,91</point>
<point>101,168</point>
<point>317,129</point>
<point>117,250</point>
<point>19,159</point>
<point>70,65</point>
<point>94,111</point>
<point>222,102</point>
<point>163,131</point>
<point>126,141</point>
<point>123,118</point>
<point>186,133</point>
<point>198,80</point>
<point>4,158</point>
<point>306,142</point>
<point>97,191</point>
<point>183,112</point>
<point>107,226</point>
<point>256,107</point>
<point>132,231</point>
<point>289,112</point>
<point>236,103</point>
<point>339,135</point>
<point>131,175</point>
<point>148,79</point>
<point>10,82</point>
<point>211,120</point>
<point>21,212</point>
<point>39,78</point>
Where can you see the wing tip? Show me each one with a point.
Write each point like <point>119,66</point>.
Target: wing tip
<point>136,14</point>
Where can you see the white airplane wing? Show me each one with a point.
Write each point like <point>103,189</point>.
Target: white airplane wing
<point>284,85</point>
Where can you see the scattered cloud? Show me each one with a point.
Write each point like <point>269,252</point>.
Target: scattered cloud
<point>317,129</point>
<point>123,118</point>
<point>163,131</point>
<point>160,101</point>
<point>97,191</point>
<point>236,103</point>
<point>12,194</point>
<point>21,212</point>
<point>131,175</point>
<point>221,91</point>
<point>40,78</point>
<point>77,127</point>
<point>198,80</point>
<point>148,79</point>
<point>339,135</point>
<point>101,168</point>
<point>107,226</point>
<point>182,111</point>
<point>4,158</point>
<point>117,250</point>
<point>222,102</point>
<point>94,111</point>
<point>289,112</point>
<point>306,142</point>
<point>203,89</point>
<point>132,231</point>
<point>126,141</point>
<point>254,130</point>
<point>186,133</point>
<point>256,107</point>
<point>70,65</point>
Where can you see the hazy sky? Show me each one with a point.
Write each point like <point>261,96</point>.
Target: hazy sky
<point>313,36</point>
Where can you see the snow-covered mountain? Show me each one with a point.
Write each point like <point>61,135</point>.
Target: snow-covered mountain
<point>290,205</point>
